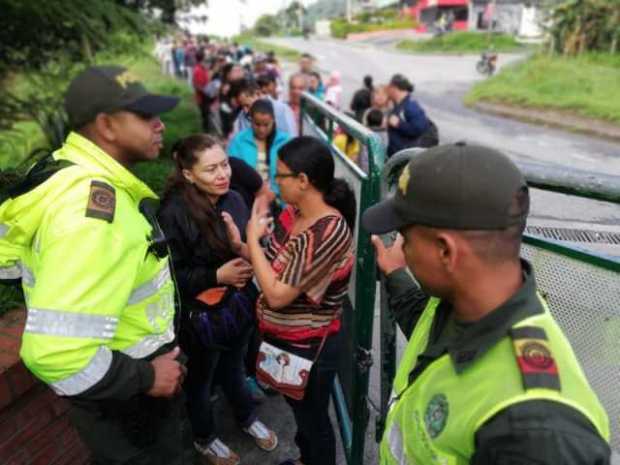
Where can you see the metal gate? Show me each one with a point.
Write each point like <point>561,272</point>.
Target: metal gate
<point>350,391</point>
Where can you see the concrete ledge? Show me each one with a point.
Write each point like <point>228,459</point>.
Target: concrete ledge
<point>553,118</point>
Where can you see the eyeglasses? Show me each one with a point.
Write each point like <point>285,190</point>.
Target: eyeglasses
<point>285,175</point>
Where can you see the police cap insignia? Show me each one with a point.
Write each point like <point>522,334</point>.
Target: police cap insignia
<point>101,201</point>
<point>534,358</point>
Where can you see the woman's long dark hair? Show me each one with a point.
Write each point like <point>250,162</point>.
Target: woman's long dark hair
<point>265,107</point>
<point>185,153</point>
<point>309,155</point>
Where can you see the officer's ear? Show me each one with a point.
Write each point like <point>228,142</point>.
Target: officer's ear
<point>104,126</point>
<point>447,250</point>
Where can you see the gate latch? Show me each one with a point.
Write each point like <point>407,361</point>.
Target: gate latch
<point>364,359</point>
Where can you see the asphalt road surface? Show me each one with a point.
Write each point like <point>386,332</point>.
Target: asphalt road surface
<point>441,82</point>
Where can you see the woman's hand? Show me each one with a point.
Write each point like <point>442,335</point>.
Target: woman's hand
<point>393,121</point>
<point>260,223</point>
<point>236,273</point>
<point>232,231</point>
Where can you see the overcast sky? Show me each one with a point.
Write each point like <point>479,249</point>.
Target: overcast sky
<point>226,16</point>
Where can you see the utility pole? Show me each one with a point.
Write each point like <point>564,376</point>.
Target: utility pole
<point>349,13</point>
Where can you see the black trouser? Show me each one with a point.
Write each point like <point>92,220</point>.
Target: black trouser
<point>205,369</point>
<point>315,435</point>
<point>140,431</point>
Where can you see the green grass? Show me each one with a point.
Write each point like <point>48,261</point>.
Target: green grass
<point>588,85</point>
<point>258,45</point>
<point>17,143</point>
<point>340,28</point>
<point>462,42</point>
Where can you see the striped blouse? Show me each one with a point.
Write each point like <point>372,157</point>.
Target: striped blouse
<point>318,261</point>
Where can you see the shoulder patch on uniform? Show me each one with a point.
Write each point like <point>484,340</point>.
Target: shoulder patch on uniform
<point>101,201</point>
<point>534,358</point>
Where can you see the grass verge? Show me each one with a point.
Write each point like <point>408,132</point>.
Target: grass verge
<point>256,44</point>
<point>462,42</point>
<point>340,28</point>
<point>588,85</point>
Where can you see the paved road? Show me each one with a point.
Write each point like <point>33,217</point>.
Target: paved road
<point>441,82</point>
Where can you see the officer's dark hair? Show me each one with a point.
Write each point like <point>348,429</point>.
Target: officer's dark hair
<point>313,157</point>
<point>185,155</point>
<point>368,82</point>
<point>500,246</point>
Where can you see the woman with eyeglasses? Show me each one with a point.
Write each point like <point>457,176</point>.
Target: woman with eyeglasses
<point>304,277</point>
<point>201,218</point>
<point>258,146</point>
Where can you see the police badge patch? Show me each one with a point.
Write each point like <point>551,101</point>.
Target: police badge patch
<point>101,201</point>
<point>436,415</point>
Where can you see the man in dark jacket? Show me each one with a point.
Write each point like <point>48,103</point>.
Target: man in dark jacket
<point>408,125</point>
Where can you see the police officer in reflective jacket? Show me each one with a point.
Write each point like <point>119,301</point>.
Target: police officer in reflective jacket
<point>488,377</point>
<point>97,283</point>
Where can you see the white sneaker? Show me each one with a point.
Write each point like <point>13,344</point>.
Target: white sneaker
<point>265,438</point>
<point>217,453</point>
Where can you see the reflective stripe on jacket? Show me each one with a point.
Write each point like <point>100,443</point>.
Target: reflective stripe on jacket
<point>91,284</point>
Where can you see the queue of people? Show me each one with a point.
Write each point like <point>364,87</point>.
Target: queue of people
<point>136,312</point>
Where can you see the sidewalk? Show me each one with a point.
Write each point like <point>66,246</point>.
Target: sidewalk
<point>553,118</point>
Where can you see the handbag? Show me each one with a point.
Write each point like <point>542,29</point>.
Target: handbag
<point>221,316</point>
<point>285,372</point>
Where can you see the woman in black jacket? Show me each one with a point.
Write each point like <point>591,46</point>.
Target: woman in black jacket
<point>217,294</point>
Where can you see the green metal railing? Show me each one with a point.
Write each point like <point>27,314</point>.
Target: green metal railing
<point>581,287</point>
<point>350,393</point>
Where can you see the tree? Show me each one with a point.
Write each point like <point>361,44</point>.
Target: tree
<point>267,25</point>
<point>577,26</point>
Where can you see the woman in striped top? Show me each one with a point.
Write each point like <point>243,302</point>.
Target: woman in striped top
<point>304,275</point>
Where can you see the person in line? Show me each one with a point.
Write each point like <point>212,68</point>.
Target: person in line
<point>100,297</point>
<point>229,109</point>
<point>315,85</point>
<point>200,81</point>
<point>333,91</point>
<point>304,276</point>
<point>258,145</point>
<point>246,92</point>
<point>361,100</point>
<point>408,125</point>
<point>488,376</point>
<point>297,85</point>
<point>379,100</point>
<point>217,294</point>
<point>268,85</point>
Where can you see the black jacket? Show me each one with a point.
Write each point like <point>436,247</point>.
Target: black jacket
<point>195,264</point>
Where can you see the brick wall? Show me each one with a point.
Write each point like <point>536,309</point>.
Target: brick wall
<point>34,426</point>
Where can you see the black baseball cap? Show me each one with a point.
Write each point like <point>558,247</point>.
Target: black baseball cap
<point>106,89</point>
<point>455,186</point>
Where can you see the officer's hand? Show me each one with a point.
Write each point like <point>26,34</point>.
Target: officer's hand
<point>389,258</point>
<point>236,273</point>
<point>169,375</point>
